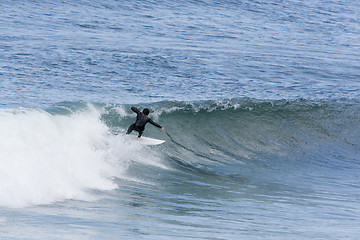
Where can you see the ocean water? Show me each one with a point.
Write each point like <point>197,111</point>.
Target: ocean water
<point>260,101</point>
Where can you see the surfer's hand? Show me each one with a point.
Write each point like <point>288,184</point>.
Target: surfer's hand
<point>138,108</point>
<point>162,129</point>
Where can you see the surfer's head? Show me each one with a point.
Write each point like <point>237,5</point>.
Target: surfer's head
<point>146,111</point>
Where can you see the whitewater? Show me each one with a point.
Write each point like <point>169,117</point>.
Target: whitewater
<point>259,99</point>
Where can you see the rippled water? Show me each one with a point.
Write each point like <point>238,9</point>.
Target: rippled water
<point>259,99</point>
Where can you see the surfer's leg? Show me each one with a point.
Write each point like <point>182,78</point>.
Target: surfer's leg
<point>140,133</point>
<point>131,128</point>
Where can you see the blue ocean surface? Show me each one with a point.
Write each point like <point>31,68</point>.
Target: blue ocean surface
<point>260,101</point>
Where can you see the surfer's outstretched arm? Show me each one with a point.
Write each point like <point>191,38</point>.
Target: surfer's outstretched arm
<point>156,125</point>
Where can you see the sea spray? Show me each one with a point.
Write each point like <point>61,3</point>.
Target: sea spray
<point>47,157</point>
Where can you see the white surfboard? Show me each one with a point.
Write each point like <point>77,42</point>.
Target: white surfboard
<point>145,140</point>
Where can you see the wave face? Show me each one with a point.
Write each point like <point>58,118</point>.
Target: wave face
<point>265,131</point>
<point>297,146</point>
<point>77,150</point>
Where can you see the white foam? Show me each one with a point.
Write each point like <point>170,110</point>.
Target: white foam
<point>156,114</point>
<point>46,158</point>
<point>122,111</point>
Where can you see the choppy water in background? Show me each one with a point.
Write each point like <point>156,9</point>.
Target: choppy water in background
<point>141,51</point>
<point>260,100</point>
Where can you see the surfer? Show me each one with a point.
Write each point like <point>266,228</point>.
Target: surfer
<point>142,119</point>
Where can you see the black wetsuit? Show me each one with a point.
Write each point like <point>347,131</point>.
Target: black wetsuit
<point>141,121</point>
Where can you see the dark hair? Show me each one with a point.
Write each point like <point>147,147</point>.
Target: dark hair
<point>146,111</point>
